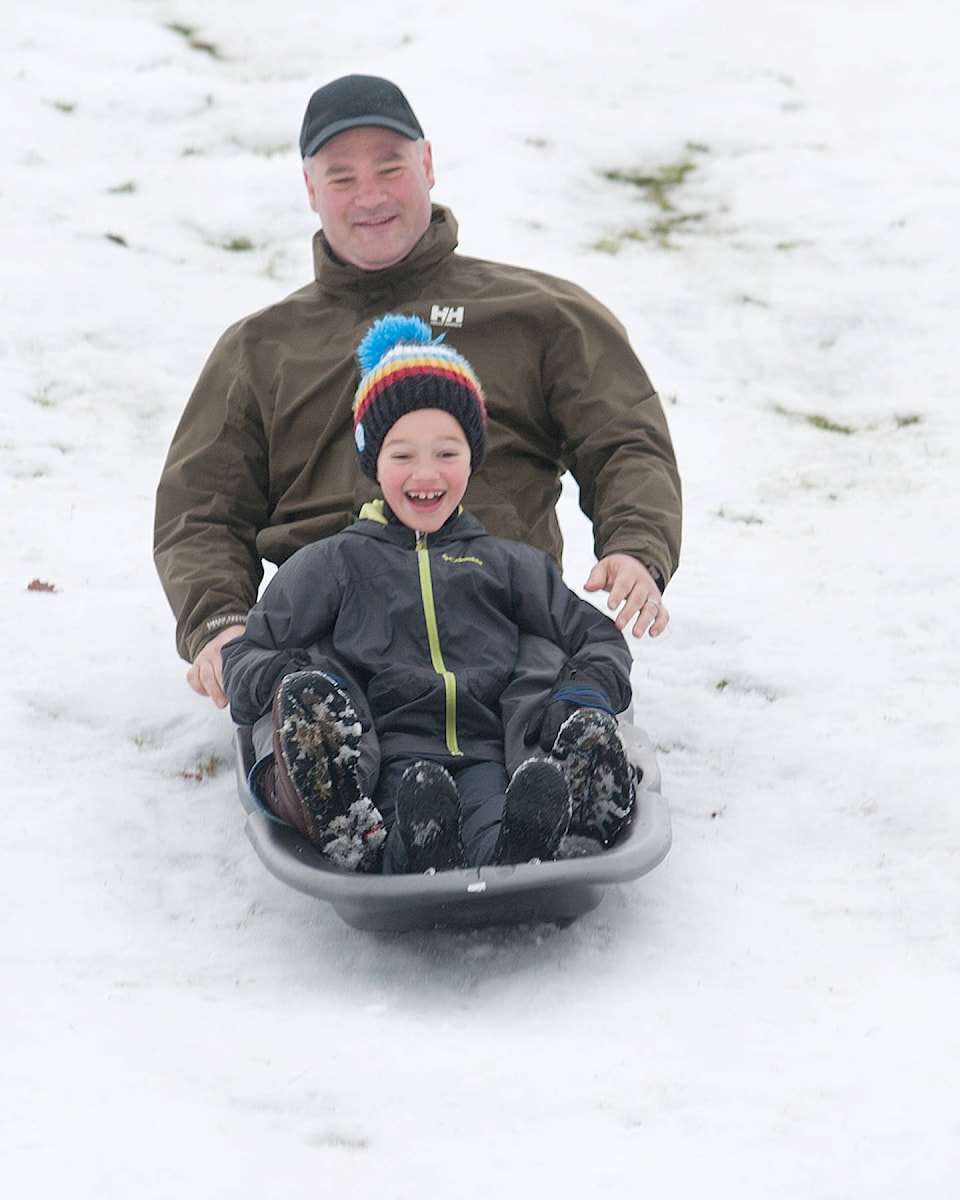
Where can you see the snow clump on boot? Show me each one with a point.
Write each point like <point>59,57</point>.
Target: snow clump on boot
<point>598,775</point>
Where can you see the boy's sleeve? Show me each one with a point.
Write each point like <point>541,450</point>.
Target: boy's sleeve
<point>594,646</point>
<point>298,608</point>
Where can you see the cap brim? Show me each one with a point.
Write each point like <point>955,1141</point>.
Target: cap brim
<point>331,131</point>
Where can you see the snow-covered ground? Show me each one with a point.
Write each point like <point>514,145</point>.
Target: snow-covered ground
<point>773,1011</point>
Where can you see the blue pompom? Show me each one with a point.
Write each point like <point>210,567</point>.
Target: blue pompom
<point>384,334</point>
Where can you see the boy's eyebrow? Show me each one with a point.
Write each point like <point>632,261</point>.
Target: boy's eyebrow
<point>404,441</point>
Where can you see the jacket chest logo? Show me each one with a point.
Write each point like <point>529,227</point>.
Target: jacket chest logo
<point>447,316</point>
<point>467,558</point>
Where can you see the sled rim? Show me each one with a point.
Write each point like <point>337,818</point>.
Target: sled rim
<point>465,896</point>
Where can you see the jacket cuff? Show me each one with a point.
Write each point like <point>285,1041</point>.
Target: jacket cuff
<point>197,638</point>
<point>215,624</point>
<point>655,574</point>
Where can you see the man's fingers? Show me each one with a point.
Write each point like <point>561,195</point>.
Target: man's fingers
<point>193,678</point>
<point>206,680</point>
<point>648,609</point>
<point>633,594</point>
<point>631,607</point>
<point>660,624</point>
<point>652,617</point>
<point>597,579</point>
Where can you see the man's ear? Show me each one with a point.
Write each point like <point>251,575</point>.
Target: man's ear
<point>311,190</point>
<point>428,163</point>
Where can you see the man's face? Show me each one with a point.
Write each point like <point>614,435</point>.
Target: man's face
<point>371,190</point>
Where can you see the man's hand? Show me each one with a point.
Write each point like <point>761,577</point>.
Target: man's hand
<point>206,672</point>
<point>633,591</point>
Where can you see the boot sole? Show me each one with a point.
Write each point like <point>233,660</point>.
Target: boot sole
<point>428,814</point>
<point>319,737</point>
<point>597,773</point>
<point>536,813</point>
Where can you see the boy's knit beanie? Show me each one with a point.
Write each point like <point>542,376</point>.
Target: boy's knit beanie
<point>405,368</point>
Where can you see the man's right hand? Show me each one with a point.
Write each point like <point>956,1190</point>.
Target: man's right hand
<point>206,672</point>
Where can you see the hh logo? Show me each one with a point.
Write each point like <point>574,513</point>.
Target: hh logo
<point>447,316</point>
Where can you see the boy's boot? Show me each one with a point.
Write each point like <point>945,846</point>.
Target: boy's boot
<point>316,743</point>
<point>428,815</point>
<point>536,813</point>
<point>597,774</point>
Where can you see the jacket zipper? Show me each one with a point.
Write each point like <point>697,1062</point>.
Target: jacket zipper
<point>433,638</point>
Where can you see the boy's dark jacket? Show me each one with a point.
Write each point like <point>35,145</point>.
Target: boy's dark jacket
<point>419,623</point>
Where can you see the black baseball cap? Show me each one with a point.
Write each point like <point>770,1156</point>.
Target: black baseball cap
<point>351,101</point>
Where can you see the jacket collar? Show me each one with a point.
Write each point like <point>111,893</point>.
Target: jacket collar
<point>335,277</point>
<point>376,515</point>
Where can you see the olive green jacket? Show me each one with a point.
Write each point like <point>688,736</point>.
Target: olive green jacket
<point>263,460</point>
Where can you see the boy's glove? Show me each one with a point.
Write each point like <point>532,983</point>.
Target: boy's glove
<point>579,685</point>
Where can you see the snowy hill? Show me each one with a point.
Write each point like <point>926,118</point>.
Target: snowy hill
<point>766,195</point>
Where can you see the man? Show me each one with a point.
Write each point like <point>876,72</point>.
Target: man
<point>263,463</point>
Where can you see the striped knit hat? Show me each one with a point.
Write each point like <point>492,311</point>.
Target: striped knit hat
<point>404,369</point>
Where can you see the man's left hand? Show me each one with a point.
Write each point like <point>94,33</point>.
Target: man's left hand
<point>632,591</point>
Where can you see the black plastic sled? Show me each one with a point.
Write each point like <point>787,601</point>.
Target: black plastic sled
<point>468,897</point>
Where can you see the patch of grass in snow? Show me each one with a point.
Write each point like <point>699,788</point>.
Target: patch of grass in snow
<point>238,245</point>
<point>189,34</point>
<point>658,187</point>
<point>42,398</point>
<point>741,518</point>
<point>821,422</point>
<point>817,420</point>
<point>743,686</point>
<point>204,770</point>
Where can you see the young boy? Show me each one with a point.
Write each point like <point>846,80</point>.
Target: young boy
<point>425,610</point>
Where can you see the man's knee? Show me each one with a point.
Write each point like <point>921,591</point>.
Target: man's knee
<point>539,662</point>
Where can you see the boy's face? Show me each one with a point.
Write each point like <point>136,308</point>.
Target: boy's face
<point>423,468</point>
